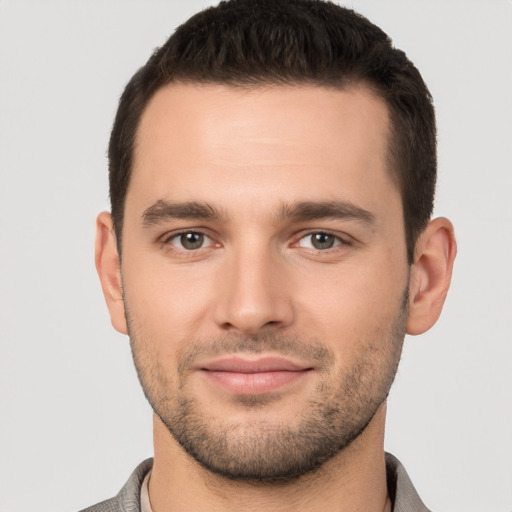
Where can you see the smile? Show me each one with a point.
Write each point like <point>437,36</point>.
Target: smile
<point>254,377</point>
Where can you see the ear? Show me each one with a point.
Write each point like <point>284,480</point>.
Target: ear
<point>431,274</point>
<point>109,270</point>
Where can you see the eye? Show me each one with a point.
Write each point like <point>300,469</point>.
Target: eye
<point>189,240</point>
<point>319,241</point>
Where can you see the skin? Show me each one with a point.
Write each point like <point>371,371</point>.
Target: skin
<point>252,155</point>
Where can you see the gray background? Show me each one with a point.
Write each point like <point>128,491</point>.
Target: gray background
<point>74,422</point>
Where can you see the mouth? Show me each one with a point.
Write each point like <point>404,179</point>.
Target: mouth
<point>245,376</point>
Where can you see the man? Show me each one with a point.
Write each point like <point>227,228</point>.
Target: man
<point>272,173</point>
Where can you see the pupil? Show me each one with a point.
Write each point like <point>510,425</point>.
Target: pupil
<point>322,241</point>
<point>192,240</point>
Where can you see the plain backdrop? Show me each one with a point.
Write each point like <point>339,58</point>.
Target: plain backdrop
<point>74,422</point>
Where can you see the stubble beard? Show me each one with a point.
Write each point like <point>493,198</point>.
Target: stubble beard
<point>264,450</point>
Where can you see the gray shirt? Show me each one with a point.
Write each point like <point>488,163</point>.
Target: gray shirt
<point>400,488</point>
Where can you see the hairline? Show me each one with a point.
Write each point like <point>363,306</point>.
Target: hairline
<point>255,84</point>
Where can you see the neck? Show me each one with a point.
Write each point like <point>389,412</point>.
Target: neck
<point>353,480</point>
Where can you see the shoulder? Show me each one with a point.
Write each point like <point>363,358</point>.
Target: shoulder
<point>128,498</point>
<point>401,489</point>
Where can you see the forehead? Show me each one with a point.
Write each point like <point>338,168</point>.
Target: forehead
<point>282,140</point>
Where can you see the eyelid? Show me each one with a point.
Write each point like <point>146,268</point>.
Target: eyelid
<point>342,238</point>
<point>166,239</point>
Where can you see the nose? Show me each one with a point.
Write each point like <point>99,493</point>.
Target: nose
<point>253,293</point>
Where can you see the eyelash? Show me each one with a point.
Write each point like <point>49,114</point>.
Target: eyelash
<point>167,240</point>
<point>338,240</point>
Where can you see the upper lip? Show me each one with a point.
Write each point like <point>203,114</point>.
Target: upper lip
<point>237,364</point>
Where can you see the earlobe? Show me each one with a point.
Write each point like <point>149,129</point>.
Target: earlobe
<point>109,270</point>
<point>431,275</point>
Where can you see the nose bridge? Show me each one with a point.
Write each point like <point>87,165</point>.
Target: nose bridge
<point>251,296</point>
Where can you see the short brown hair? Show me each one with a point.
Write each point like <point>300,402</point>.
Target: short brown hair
<point>260,42</point>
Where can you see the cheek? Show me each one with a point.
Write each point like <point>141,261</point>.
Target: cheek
<point>350,305</point>
<point>165,303</point>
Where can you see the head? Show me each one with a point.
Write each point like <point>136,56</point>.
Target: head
<point>257,43</point>
<point>272,170</point>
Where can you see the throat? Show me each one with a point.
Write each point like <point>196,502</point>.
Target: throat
<point>354,480</point>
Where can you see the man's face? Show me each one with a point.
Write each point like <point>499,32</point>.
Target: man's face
<point>264,272</point>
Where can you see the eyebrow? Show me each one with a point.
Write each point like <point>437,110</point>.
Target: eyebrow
<point>163,211</point>
<point>313,210</point>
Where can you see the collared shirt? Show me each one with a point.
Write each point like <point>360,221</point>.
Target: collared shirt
<point>134,496</point>
<point>145,504</point>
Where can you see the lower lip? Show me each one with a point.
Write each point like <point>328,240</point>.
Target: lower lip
<point>254,383</point>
